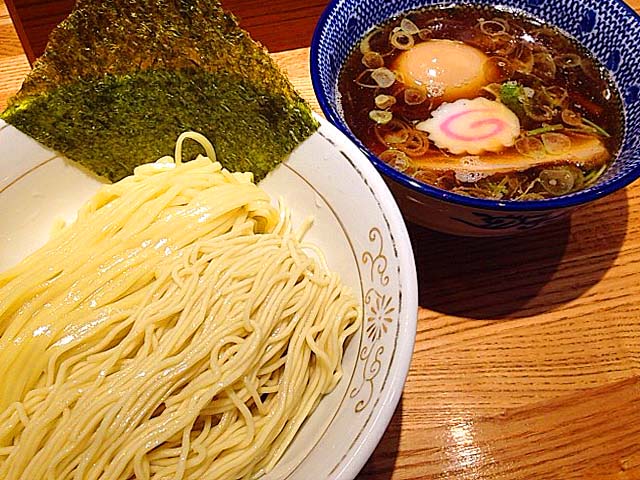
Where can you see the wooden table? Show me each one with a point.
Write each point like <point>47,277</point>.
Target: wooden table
<point>527,360</point>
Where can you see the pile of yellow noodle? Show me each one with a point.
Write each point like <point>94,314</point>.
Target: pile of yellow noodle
<point>177,330</point>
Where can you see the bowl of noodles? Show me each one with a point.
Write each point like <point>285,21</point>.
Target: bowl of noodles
<point>485,119</point>
<point>187,323</point>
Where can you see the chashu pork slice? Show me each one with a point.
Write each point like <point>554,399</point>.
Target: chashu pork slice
<point>585,150</point>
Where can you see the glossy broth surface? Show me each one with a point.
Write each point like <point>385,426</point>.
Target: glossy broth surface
<point>482,102</point>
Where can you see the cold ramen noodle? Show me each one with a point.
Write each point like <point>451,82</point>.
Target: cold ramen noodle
<point>482,102</point>
<point>178,329</point>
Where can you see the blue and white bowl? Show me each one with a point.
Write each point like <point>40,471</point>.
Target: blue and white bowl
<point>610,29</point>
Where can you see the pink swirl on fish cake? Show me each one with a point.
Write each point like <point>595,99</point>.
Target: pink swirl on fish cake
<point>447,127</point>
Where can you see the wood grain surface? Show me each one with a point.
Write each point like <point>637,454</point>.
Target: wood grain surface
<point>34,20</point>
<point>527,359</point>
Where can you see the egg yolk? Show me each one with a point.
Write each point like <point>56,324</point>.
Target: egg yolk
<point>445,68</point>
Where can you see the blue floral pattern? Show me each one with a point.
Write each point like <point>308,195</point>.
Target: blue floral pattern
<point>515,221</point>
<point>598,24</point>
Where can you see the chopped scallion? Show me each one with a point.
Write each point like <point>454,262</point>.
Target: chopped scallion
<point>544,129</point>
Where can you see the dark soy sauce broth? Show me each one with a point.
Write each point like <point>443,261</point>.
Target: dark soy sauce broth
<point>564,99</point>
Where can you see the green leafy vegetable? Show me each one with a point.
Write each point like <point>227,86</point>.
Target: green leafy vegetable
<point>120,80</point>
<point>512,94</point>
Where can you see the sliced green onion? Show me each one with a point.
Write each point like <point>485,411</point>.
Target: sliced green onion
<point>496,26</point>
<point>556,143</point>
<point>409,27</point>
<point>402,40</point>
<point>425,34</point>
<point>530,146</point>
<point>414,96</point>
<point>372,60</point>
<point>380,116</point>
<point>383,77</point>
<point>538,112</point>
<point>597,128</point>
<point>571,117</point>
<point>556,181</point>
<point>396,159</point>
<point>384,101</point>
<point>544,129</point>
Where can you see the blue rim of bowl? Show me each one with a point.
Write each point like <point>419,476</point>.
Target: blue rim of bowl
<point>574,200</point>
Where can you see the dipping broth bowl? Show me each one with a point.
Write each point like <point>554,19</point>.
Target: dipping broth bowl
<point>608,29</point>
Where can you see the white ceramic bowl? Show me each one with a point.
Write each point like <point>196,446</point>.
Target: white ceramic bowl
<point>361,231</point>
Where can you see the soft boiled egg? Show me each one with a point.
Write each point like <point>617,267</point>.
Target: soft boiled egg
<point>446,69</point>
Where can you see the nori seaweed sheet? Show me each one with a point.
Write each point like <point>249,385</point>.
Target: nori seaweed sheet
<point>121,79</point>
